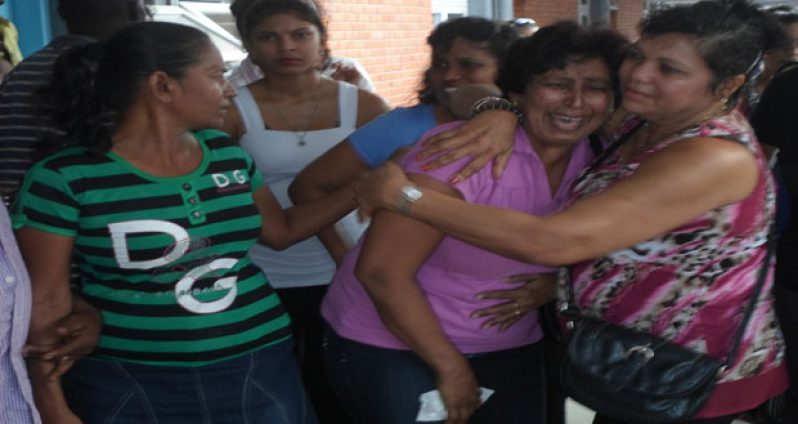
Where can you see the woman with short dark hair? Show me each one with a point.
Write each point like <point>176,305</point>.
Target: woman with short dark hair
<point>401,308</point>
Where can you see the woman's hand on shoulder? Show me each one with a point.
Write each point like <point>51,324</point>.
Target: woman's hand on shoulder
<point>346,73</point>
<point>487,136</point>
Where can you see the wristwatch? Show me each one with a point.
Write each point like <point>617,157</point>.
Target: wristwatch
<point>410,195</point>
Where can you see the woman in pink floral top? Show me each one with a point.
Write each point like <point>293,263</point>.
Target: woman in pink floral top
<point>688,285</point>
<point>668,233</point>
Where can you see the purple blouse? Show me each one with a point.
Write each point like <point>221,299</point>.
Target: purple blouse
<point>455,271</point>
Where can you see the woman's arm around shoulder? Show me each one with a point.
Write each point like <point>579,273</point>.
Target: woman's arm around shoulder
<point>670,188</point>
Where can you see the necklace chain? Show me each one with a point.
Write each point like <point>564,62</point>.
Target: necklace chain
<point>641,144</point>
<point>302,132</point>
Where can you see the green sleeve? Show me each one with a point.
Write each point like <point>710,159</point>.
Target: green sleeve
<point>46,202</point>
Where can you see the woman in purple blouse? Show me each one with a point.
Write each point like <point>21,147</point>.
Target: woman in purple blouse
<point>401,307</point>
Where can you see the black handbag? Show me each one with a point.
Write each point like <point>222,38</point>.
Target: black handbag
<point>638,377</point>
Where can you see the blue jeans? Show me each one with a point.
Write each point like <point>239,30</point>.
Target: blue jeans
<point>382,386</point>
<point>261,387</point>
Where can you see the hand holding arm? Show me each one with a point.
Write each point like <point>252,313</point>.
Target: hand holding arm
<point>78,335</point>
<point>381,189</point>
<point>48,259</point>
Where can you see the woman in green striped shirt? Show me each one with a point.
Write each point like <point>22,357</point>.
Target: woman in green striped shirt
<point>160,216</point>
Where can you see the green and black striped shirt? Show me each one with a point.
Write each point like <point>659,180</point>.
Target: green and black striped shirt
<point>164,259</point>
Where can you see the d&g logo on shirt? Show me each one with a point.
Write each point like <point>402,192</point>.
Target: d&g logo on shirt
<point>237,180</point>
<point>184,291</point>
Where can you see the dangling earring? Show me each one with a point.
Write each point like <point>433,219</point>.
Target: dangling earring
<point>724,104</point>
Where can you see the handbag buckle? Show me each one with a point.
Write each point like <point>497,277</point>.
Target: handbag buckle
<point>644,350</point>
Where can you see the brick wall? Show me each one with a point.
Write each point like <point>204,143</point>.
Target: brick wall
<point>387,37</point>
<point>627,17</point>
<point>549,11</point>
<point>546,12</point>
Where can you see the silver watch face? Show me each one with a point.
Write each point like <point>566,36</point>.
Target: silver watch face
<point>411,193</point>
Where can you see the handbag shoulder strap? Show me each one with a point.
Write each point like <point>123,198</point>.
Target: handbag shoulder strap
<point>603,154</point>
<point>571,308</point>
<point>749,311</point>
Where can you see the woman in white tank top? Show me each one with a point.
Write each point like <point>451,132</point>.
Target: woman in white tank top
<point>285,121</point>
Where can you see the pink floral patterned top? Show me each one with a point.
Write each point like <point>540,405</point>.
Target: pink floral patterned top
<point>692,284</point>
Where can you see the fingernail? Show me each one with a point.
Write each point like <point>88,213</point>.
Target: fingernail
<point>426,168</point>
<point>419,157</point>
<point>480,296</point>
<point>454,180</point>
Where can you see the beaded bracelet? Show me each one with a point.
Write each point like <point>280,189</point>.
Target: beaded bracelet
<point>495,103</point>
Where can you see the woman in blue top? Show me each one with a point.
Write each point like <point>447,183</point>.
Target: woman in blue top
<point>464,51</point>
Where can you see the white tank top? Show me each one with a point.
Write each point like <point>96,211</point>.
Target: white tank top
<point>279,157</point>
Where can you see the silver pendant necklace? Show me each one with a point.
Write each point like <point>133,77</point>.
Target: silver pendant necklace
<point>302,132</point>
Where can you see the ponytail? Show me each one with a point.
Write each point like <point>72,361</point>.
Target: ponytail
<point>93,86</point>
<point>72,100</point>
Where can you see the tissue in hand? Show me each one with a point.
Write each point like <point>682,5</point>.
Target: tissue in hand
<point>433,409</point>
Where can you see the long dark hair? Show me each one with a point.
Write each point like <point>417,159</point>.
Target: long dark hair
<point>94,85</point>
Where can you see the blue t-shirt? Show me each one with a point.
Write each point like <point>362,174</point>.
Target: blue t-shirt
<point>376,141</point>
